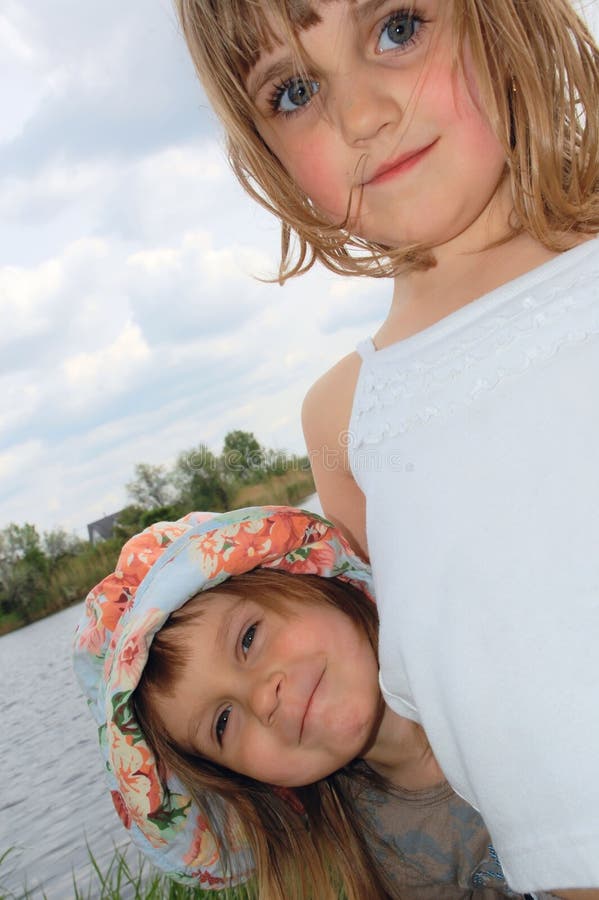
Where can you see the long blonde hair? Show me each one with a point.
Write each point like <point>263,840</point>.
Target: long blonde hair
<point>307,844</point>
<point>537,68</point>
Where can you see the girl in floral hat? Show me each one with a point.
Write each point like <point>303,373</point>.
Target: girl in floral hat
<point>230,664</point>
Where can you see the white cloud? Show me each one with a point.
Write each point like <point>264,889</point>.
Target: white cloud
<point>44,195</point>
<point>20,460</point>
<point>13,43</point>
<point>21,296</point>
<point>108,368</point>
<point>21,399</point>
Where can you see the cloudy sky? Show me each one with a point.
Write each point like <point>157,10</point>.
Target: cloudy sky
<point>132,326</point>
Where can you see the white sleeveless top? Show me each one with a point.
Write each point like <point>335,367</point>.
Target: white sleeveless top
<point>476,443</point>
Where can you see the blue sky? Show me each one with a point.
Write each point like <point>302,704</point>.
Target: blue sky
<point>132,325</point>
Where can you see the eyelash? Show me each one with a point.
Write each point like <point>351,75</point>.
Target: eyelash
<point>223,718</point>
<point>251,630</point>
<point>221,725</point>
<point>414,17</point>
<point>279,90</point>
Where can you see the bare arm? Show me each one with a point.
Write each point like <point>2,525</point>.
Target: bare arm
<point>584,894</point>
<point>325,416</point>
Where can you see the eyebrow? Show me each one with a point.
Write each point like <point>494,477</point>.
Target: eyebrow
<point>364,10</point>
<point>224,627</point>
<point>275,72</point>
<point>194,725</point>
<point>281,67</point>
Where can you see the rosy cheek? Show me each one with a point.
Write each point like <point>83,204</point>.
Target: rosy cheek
<point>458,100</point>
<point>317,174</point>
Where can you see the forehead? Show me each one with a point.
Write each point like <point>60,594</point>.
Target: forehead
<point>249,28</point>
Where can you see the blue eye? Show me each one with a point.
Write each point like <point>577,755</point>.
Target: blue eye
<point>293,94</point>
<point>398,31</point>
<point>221,724</point>
<point>248,637</point>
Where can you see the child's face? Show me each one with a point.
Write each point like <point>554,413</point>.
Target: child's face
<point>285,697</point>
<point>381,111</point>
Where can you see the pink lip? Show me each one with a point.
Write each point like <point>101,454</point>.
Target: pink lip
<point>309,704</point>
<point>400,165</point>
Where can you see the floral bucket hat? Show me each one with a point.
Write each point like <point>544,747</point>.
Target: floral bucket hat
<point>157,572</point>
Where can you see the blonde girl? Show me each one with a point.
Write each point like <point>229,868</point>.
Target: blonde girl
<point>452,145</point>
<point>230,664</point>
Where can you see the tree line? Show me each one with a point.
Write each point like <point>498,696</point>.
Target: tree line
<point>42,573</point>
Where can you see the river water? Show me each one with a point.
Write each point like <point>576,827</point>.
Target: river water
<point>53,797</point>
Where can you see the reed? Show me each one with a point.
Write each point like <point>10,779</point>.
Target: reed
<point>124,879</point>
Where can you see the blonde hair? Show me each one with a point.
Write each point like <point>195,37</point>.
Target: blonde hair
<point>309,843</point>
<point>538,78</point>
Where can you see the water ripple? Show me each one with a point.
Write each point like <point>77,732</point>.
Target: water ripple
<point>54,800</point>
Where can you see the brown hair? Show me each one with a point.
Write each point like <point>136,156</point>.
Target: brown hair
<point>538,78</point>
<point>320,824</point>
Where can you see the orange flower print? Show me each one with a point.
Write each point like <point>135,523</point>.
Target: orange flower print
<point>246,548</point>
<point>207,549</point>
<point>92,637</point>
<point>115,603</point>
<point>128,666</point>
<point>121,808</point>
<point>203,850</point>
<point>287,531</point>
<point>135,770</point>
<point>204,877</point>
<point>315,559</point>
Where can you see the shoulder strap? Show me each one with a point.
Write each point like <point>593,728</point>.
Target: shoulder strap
<point>366,349</point>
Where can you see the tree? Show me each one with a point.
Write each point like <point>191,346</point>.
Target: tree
<point>58,543</point>
<point>133,519</point>
<point>160,514</point>
<point>23,570</point>
<point>200,480</point>
<point>243,456</point>
<point>151,487</point>
<point>128,522</point>
<point>16,540</point>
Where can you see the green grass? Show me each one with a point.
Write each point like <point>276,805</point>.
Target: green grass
<point>134,881</point>
<point>9,622</point>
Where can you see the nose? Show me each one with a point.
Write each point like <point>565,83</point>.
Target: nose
<point>264,696</point>
<point>362,107</point>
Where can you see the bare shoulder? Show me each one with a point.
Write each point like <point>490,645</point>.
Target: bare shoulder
<point>325,417</point>
<point>580,894</point>
<point>328,404</point>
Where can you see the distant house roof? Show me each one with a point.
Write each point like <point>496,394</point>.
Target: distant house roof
<point>103,528</point>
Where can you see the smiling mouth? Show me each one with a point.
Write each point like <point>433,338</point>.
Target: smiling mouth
<point>309,704</point>
<point>400,165</point>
